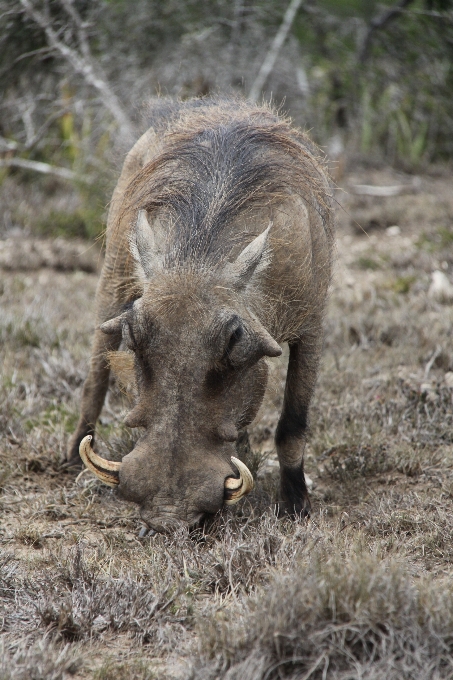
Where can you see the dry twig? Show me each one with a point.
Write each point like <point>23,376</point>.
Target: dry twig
<point>82,61</point>
<point>271,56</point>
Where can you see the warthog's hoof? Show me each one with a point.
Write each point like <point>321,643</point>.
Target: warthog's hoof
<point>146,532</point>
<point>294,493</point>
<point>72,454</point>
<point>294,512</point>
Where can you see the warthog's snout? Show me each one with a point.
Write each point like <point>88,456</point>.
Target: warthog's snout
<point>191,495</point>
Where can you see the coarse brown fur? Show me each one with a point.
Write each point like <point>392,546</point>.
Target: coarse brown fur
<point>199,311</point>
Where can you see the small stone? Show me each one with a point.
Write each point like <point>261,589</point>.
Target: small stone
<point>394,230</point>
<point>440,289</point>
<point>448,377</point>
<point>100,623</point>
<point>428,390</point>
<point>425,388</point>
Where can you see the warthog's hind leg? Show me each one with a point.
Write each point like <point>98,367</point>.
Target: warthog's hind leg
<point>304,355</point>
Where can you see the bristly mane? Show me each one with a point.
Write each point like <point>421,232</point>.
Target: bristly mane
<point>216,164</point>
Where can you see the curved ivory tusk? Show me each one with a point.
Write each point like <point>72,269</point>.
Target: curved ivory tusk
<point>106,470</point>
<point>236,488</point>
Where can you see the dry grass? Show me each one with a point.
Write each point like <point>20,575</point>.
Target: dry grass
<point>362,590</point>
<point>341,613</point>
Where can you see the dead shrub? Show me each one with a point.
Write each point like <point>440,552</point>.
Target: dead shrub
<point>43,660</point>
<point>345,462</point>
<point>83,603</point>
<point>338,616</point>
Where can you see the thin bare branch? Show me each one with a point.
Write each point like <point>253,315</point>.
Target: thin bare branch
<point>85,65</point>
<point>80,27</point>
<point>33,53</point>
<point>385,191</point>
<point>271,57</point>
<point>44,168</point>
<point>43,129</point>
<point>378,23</point>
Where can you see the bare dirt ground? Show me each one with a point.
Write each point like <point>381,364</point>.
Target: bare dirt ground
<point>361,590</point>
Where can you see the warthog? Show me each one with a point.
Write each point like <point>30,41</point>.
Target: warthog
<point>219,249</point>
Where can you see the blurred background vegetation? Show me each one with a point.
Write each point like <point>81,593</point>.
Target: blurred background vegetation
<point>371,82</point>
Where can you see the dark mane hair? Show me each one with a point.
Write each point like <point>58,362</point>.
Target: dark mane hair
<point>217,163</point>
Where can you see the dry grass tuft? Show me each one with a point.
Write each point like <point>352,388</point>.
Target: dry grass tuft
<point>82,603</point>
<point>42,660</point>
<point>342,613</point>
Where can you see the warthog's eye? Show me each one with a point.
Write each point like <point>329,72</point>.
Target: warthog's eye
<point>223,369</point>
<point>232,356</point>
<point>236,335</point>
<point>129,336</point>
<point>144,368</point>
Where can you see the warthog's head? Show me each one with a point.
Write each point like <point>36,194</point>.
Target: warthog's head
<point>201,375</point>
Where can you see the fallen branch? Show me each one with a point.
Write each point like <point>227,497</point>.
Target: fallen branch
<point>385,191</point>
<point>44,168</point>
<point>271,56</point>
<point>20,253</point>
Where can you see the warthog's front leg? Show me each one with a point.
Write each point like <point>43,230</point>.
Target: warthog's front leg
<point>304,356</point>
<point>94,391</point>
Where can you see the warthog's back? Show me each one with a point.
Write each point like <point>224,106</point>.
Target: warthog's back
<point>214,174</point>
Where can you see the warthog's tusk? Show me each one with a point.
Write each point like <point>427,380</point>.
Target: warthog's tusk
<point>236,488</point>
<point>106,470</point>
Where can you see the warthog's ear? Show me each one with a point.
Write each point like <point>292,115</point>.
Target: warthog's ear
<point>142,246</point>
<point>246,341</point>
<point>269,346</point>
<point>252,259</point>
